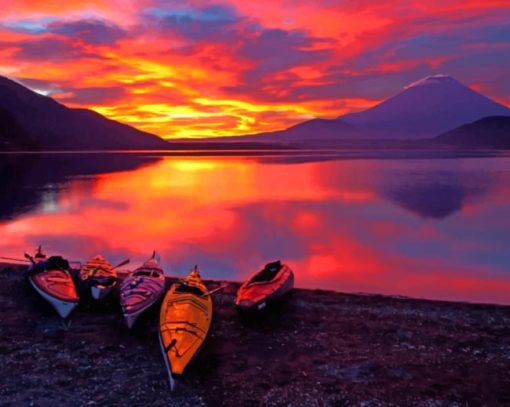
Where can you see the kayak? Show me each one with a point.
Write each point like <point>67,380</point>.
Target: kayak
<point>141,289</point>
<point>99,275</point>
<point>184,321</point>
<point>269,284</point>
<point>50,277</point>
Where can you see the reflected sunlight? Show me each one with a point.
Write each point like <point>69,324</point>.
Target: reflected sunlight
<point>350,225</point>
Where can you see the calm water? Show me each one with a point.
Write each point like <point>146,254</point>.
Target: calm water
<point>431,227</point>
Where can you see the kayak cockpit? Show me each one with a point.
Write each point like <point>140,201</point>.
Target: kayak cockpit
<point>268,273</point>
<point>189,289</point>
<point>147,273</point>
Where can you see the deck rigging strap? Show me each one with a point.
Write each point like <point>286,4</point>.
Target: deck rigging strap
<point>171,345</point>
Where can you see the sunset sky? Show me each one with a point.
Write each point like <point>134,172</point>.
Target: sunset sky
<point>229,67</point>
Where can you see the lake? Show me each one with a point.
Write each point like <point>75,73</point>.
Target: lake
<point>417,225</point>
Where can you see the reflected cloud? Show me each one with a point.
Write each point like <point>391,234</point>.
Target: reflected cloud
<point>38,179</point>
<point>266,65</point>
<point>342,224</point>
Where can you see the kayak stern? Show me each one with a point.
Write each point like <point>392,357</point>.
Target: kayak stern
<point>99,292</point>
<point>63,308</point>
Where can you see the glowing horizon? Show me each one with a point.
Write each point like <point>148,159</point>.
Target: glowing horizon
<point>202,69</point>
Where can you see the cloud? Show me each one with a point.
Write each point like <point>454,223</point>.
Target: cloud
<point>68,94</point>
<point>272,52</point>
<point>92,95</point>
<point>54,49</point>
<point>48,87</point>
<point>90,31</point>
<point>264,65</point>
<point>216,23</point>
<point>277,49</point>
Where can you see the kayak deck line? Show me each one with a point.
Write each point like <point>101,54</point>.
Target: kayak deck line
<point>192,300</point>
<point>194,325</point>
<point>182,330</point>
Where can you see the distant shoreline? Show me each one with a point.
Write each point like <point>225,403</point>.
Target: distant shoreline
<point>203,146</point>
<point>217,282</point>
<point>312,154</point>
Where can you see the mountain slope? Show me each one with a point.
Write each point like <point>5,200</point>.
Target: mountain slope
<point>489,132</point>
<point>318,131</point>
<point>12,134</point>
<point>43,123</point>
<point>425,108</point>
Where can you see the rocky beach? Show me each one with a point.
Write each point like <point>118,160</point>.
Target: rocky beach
<point>315,348</point>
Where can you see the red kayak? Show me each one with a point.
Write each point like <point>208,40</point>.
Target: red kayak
<point>52,280</point>
<point>269,284</point>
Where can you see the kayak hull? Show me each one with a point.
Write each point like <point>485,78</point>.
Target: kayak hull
<point>171,378</point>
<point>63,308</point>
<point>98,293</point>
<point>99,276</point>
<point>185,319</point>
<point>131,318</point>
<point>140,290</point>
<point>255,295</point>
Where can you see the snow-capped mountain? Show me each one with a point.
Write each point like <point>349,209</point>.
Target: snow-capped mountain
<point>422,110</point>
<point>425,108</point>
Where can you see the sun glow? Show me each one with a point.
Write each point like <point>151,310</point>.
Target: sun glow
<point>207,69</point>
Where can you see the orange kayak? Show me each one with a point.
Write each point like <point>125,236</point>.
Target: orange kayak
<point>184,322</point>
<point>269,284</point>
<point>99,275</point>
<point>52,280</point>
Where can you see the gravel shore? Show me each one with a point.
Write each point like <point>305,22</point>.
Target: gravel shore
<point>315,348</point>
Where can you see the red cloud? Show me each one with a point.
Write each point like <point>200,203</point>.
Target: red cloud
<point>204,68</point>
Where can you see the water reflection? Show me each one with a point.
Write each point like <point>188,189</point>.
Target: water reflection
<point>437,194</point>
<point>429,228</point>
<point>27,180</point>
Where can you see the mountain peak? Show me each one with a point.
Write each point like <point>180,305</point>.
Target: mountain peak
<point>434,80</point>
<point>425,108</point>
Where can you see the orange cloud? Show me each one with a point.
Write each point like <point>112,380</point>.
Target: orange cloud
<point>332,221</point>
<point>209,68</point>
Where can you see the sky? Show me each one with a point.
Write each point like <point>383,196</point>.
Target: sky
<point>230,67</point>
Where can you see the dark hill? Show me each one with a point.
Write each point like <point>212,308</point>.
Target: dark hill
<point>489,132</point>
<point>12,134</point>
<point>29,121</point>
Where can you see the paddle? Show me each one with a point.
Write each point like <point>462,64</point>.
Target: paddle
<point>27,256</point>
<point>215,290</point>
<point>122,263</point>
<point>13,259</point>
<point>33,261</point>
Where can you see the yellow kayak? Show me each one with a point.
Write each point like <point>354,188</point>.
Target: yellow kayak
<point>185,319</point>
<point>99,275</point>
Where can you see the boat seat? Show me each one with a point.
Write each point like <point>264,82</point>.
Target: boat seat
<point>191,289</point>
<point>53,263</point>
<point>268,273</point>
<point>142,273</point>
<point>103,280</point>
